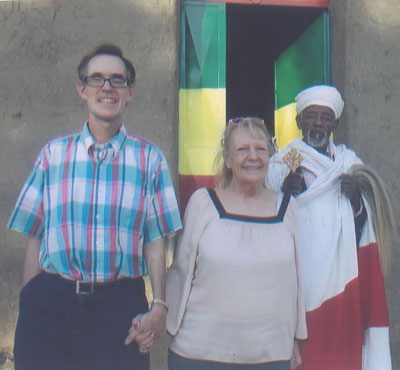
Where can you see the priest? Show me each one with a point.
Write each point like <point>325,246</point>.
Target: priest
<point>341,259</point>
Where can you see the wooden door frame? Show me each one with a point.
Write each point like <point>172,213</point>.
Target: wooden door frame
<point>303,3</point>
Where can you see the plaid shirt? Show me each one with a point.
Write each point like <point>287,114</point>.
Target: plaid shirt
<point>93,205</point>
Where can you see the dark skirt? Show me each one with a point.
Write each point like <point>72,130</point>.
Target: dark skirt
<point>176,362</point>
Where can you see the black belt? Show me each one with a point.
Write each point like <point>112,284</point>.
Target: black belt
<point>90,287</point>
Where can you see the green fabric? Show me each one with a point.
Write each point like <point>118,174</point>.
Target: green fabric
<point>305,63</point>
<point>203,45</point>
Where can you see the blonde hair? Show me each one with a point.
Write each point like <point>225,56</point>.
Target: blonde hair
<point>256,127</point>
<point>375,191</point>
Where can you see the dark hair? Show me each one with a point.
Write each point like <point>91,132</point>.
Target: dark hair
<point>106,49</point>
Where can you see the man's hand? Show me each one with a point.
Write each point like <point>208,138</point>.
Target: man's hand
<point>147,328</point>
<point>145,340</point>
<point>293,183</point>
<point>154,320</point>
<point>349,187</point>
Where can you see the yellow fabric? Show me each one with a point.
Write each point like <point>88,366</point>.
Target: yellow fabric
<point>202,120</point>
<point>285,125</point>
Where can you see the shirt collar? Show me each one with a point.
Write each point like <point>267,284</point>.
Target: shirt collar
<point>117,142</point>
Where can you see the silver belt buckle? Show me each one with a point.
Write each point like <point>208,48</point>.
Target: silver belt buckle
<point>82,290</point>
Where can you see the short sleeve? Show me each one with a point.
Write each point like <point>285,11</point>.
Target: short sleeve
<point>28,213</point>
<point>163,216</point>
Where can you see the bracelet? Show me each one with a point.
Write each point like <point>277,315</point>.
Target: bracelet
<point>161,302</point>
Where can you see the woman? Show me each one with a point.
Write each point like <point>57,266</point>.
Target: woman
<point>232,290</point>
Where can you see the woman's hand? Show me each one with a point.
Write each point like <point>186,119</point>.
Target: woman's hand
<point>295,361</point>
<point>147,328</point>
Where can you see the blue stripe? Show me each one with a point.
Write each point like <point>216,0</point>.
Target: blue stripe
<point>31,179</point>
<point>72,210</point>
<point>86,177</point>
<point>122,172</point>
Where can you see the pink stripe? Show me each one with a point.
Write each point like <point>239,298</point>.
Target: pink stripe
<point>35,226</point>
<point>162,210</point>
<point>138,218</point>
<point>45,163</point>
<point>89,227</point>
<point>64,197</point>
<point>38,221</point>
<point>113,215</point>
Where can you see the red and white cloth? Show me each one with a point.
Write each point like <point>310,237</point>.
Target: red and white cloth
<point>347,316</point>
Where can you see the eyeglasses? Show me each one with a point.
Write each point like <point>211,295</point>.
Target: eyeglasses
<point>117,82</point>
<point>238,120</point>
<point>255,120</point>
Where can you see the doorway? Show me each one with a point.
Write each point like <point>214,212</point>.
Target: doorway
<point>255,37</point>
<point>241,59</point>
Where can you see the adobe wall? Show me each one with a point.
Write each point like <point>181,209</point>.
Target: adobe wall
<point>41,43</point>
<point>366,54</point>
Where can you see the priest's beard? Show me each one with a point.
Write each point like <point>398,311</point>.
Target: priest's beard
<point>317,137</point>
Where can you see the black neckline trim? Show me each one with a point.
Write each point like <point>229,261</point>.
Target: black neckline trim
<point>233,216</point>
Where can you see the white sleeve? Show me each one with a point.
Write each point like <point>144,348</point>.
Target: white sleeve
<point>180,274</point>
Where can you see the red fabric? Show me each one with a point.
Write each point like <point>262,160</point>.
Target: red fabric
<point>336,328</point>
<point>188,184</point>
<point>335,333</point>
<point>373,297</point>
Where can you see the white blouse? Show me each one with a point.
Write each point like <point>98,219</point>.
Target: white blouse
<point>233,287</point>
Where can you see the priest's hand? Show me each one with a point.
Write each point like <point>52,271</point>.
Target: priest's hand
<point>350,188</point>
<point>293,183</point>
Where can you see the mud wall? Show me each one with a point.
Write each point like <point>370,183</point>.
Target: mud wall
<point>366,54</point>
<point>41,43</point>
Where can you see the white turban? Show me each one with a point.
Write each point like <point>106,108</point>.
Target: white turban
<point>324,95</point>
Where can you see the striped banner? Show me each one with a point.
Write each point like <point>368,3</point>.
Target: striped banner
<point>202,94</point>
<point>202,81</point>
<point>305,63</point>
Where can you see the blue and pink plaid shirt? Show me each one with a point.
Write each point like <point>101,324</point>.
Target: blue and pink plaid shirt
<point>94,205</point>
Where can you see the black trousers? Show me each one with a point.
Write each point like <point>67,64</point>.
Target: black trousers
<point>60,330</point>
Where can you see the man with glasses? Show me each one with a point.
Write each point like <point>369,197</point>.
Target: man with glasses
<point>347,318</point>
<point>97,207</point>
